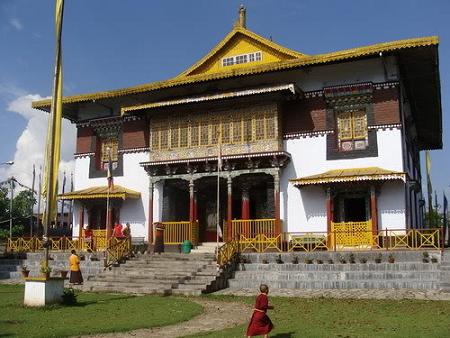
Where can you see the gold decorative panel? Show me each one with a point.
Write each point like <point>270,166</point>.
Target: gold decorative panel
<point>245,130</point>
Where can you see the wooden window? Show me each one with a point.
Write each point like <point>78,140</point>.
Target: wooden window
<point>194,133</point>
<point>352,130</point>
<point>259,128</point>
<point>247,129</point>
<point>184,130</point>
<point>271,127</point>
<point>174,135</point>
<point>155,138</point>
<point>113,144</point>
<point>164,139</point>
<point>215,131</point>
<point>237,130</point>
<point>204,133</point>
<point>226,126</point>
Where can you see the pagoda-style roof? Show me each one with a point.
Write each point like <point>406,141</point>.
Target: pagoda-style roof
<point>100,192</point>
<point>417,60</point>
<point>350,175</point>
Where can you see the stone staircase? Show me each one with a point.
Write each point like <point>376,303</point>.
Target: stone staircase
<point>408,272</point>
<point>167,273</point>
<point>445,271</point>
<point>10,268</point>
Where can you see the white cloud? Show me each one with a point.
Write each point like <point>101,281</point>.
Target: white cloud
<point>30,146</point>
<point>16,24</point>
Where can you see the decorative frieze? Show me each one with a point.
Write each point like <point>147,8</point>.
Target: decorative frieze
<point>307,134</point>
<point>385,126</point>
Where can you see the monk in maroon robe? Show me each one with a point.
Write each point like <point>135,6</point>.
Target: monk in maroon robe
<point>260,324</point>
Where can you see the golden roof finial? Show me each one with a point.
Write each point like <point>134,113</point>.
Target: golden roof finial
<point>242,16</point>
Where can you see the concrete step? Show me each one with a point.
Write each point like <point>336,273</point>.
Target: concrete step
<point>360,284</point>
<point>136,280</point>
<point>124,289</point>
<point>342,267</point>
<point>326,275</point>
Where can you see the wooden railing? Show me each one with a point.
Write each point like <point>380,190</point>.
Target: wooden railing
<point>228,252</point>
<point>392,239</point>
<point>177,232</point>
<point>252,227</point>
<point>352,234</point>
<point>118,250</point>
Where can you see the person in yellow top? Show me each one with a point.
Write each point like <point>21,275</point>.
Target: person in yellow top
<point>75,273</point>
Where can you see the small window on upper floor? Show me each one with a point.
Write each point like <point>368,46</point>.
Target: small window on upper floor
<point>352,130</point>
<point>243,58</point>
<point>109,146</point>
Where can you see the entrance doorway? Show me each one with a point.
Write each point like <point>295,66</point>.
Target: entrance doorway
<point>351,207</point>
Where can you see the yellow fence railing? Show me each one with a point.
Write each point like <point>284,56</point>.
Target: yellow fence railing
<point>250,228</point>
<point>228,252</point>
<point>118,249</point>
<point>177,232</point>
<point>352,234</point>
<point>391,239</point>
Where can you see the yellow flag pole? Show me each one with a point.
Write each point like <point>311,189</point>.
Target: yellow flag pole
<point>54,130</point>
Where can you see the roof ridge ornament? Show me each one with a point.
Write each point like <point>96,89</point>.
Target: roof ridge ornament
<point>242,17</point>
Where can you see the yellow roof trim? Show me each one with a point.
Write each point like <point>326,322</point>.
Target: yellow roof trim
<point>289,64</point>
<point>225,95</point>
<point>100,192</point>
<point>350,175</point>
<point>240,30</point>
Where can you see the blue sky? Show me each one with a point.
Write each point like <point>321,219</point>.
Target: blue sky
<point>115,43</point>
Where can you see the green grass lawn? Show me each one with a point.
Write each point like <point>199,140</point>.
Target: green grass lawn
<point>308,318</point>
<point>94,313</point>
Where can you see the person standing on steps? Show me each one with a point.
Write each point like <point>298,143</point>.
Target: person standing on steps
<point>75,273</point>
<point>260,324</point>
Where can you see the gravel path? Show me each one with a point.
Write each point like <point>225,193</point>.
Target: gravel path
<point>216,316</point>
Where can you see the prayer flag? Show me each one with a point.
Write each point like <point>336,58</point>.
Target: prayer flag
<point>53,146</point>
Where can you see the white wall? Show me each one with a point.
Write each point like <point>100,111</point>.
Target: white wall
<point>305,209</point>
<point>134,211</point>
<point>391,206</point>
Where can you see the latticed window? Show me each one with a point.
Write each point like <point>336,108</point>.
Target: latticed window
<point>174,135</point>
<point>352,130</point>
<point>184,131</point>
<point>164,139</point>
<point>204,134</point>
<point>194,134</point>
<point>259,129</point>
<point>225,131</point>
<point>155,138</point>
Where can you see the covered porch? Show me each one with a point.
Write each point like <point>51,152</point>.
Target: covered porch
<point>99,209</point>
<point>249,197</point>
<point>352,203</point>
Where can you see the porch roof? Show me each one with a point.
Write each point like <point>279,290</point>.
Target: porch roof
<point>100,192</point>
<point>350,175</point>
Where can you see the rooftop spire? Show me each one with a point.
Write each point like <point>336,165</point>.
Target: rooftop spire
<point>242,16</point>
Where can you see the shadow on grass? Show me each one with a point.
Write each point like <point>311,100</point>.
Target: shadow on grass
<point>283,335</point>
<point>108,300</point>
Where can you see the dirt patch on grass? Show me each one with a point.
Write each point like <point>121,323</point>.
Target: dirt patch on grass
<point>216,316</point>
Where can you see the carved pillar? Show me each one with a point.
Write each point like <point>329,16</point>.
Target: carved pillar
<point>229,207</point>
<point>80,230</point>
<point>150,211</point>
<point>245,210</point>
<point>373,209</point>
<point>276,191</point>
<point>191,201</point>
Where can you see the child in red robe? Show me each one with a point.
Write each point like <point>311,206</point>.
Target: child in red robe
<point>260,324</point>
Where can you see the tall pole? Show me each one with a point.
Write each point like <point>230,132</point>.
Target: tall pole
<point>57,86</point>
<point>32,202</point>
<point>70,217</point>
<point>62,202</point>
<point>11,185</point>
<point>39,198</point>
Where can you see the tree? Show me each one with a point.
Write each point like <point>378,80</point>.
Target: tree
<point>21,211</point>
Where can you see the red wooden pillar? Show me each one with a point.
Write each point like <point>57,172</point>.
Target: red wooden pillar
<point>80,230</point>
<point>150,212</point>
<point>373,209</point>
<point>245,211</point>
<point>229,208</point>
<point>329,207</point>
<point>276,191</point>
